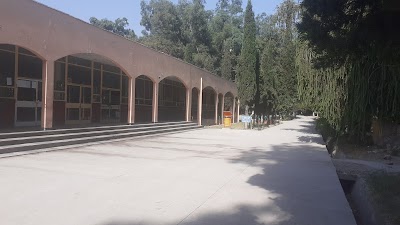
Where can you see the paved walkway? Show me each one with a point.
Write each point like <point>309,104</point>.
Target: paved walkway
<point>205,177</point>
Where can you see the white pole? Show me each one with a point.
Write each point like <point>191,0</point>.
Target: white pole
<point>200,102</point>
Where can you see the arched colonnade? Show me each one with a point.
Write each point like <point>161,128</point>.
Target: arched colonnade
<point>61,70</point>
<point>87,88</point>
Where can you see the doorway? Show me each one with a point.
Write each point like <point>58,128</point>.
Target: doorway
<point>29,103</point>
<point>79,104</point>
<point>111,106</point>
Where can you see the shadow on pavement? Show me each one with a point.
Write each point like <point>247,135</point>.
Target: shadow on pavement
<point>305,129</point>
<point>241,216</point>
<point>301,176</point>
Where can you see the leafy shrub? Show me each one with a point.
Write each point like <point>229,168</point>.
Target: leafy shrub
<point>325,129</point>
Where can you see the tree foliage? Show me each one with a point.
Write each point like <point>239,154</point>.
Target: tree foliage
<point>349,62</point>
<point>226,28</point>
<point>119,26</point>
<point>277,40</point>
<point>343,56</point>
<point>190,32</point>
<point>258,55</point>
<point>163,27</point>
<point>199,50</point>
<point>246,79</point>
<point>337,30</point>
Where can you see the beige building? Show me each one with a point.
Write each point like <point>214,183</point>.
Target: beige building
<point>57,70</point>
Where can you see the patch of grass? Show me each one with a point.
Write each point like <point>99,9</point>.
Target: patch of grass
<point>385,191</point>
<point>238,126</point>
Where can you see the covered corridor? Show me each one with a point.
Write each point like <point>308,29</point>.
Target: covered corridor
<point>70,72</point>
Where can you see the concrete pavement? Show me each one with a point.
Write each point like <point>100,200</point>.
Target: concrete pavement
<point>282,176</point>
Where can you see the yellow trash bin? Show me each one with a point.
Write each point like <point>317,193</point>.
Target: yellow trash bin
<point>227,119</point>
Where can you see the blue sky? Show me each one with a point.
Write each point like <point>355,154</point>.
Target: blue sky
<point>131,9</point>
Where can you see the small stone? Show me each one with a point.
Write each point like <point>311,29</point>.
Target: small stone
<point>390,163</point>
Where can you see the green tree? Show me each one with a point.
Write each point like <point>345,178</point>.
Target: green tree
<point>119,26</point>
<point>268,42</point>
<point>199,49</point>
<point>226,28</point>
<point>277,40</point>
<point>227,61</point>
<point>287,83</point>
<point>181,30</point>
<point>336,30</point>
<point>163,27</point>
<point>246,78</point>
<point>353,61</point>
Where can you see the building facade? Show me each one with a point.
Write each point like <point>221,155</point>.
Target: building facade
<point>56,70</point>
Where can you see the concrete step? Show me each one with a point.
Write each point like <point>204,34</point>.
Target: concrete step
<point>5,135</point>
<point>51,136</point>
<point>67,139</point>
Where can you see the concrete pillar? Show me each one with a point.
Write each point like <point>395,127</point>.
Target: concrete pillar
<point>238,111</point>
<point>233,110</point>
<point>200,108</point>
<point>155,102</point>
<point>131,100</point>
<point>47,94</point>
<point>222,109</point>
<point>188,104</point>
<point>216,109</point>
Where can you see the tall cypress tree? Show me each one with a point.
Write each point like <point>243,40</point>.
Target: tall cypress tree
<point>246,79</point>
<point>226,61</point>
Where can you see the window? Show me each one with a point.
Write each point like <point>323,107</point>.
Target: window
<point>105,95</point>
<point>97,65</point>
<point>86,95</point>
<point>79,75</point>
<point>143,91</point>
<point>172,93</point>
<point>115,98</point>
<point>96,82</point>
<point>111,97</point>
<point>62,59</point>
<point>29,67</point>
<point>112,69</point>
<point>26,52</point>
<point>6,92</point>
<point>125,89</point>
<point>59,80</point>
<point>79,61</point>
<point>59,76</point>
<point>74,94</point>
<point>111,80</point>
<point>10,48</point>
<point>125,86</point>
<point>96,86</point>
<point>7,68</point>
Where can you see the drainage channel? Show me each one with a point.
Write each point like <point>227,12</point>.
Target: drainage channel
<point>348,183</point>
